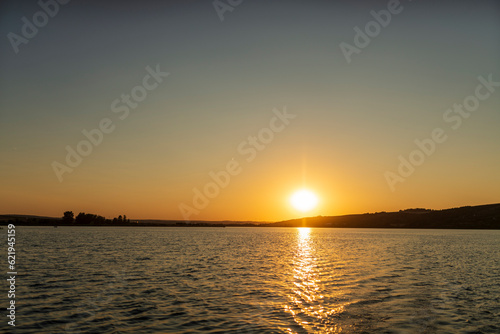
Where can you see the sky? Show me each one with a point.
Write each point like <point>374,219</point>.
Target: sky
<point>234,105</point>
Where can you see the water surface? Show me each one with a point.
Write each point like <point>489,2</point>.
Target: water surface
<point>256,280</point>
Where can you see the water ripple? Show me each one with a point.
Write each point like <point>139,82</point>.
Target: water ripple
<point>257,280</point>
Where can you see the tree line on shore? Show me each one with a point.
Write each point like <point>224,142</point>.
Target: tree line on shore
<point>92,219</point>
<point>466,217</point>
<point>67,219</point>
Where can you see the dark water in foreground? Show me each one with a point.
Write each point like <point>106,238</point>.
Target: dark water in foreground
<point>255,280</point>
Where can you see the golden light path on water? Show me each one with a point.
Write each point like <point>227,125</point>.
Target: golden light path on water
<point>307,303</point>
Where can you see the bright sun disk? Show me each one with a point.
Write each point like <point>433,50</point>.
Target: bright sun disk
<point>304,200</point>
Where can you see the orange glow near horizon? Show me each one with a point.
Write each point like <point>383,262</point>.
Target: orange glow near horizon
<point>260,193</point>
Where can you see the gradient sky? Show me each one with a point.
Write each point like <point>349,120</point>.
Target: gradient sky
<point>352,121</point>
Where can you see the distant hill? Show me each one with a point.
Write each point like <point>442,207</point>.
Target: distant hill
<point>23,217</point>
<point>161,222</point>
<point>467,217</point>
<point>33,220</point>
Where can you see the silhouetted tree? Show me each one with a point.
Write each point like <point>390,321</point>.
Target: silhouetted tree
<point>68,217</point>
<point>89,218</point>
<point>99,219</point>
<point>81,218</point>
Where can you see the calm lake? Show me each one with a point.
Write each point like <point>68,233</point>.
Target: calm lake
<point>254,280</point>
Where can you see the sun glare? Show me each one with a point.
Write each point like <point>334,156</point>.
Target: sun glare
<point>304,200</point>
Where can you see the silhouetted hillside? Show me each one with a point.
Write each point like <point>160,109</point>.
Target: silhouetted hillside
<point>87,219</point>
<point>467,217</point>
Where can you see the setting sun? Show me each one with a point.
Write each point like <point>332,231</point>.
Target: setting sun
<point>304,200</point>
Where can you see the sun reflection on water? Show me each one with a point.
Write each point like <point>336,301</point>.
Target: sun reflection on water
<point>306,300</point>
